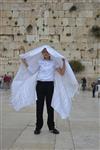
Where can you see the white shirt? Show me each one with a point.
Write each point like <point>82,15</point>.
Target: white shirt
<point>46,70</point>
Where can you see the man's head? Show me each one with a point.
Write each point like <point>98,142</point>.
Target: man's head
<point>45,54</point>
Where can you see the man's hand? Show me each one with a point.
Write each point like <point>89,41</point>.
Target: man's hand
<point>61,71</point>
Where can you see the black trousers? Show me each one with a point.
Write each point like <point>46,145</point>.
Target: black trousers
<point>93,92</point>
<point>44,90</point>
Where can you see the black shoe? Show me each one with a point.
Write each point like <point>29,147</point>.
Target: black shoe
<point>36,131</point>
<point>55,131</point>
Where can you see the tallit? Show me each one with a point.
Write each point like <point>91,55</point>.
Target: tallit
<point>23,86</point>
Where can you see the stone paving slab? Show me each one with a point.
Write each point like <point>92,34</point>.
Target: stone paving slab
<point>79,132</point>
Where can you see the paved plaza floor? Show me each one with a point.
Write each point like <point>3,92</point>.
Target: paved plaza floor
<point>79,132</point>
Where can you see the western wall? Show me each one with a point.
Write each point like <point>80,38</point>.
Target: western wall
<point>66,25</point>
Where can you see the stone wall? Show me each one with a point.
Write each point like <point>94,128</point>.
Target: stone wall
<point>63,24</point>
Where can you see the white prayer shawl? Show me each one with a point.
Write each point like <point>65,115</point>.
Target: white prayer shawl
<point>23,86</point>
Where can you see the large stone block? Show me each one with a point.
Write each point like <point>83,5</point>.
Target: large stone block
<point>5,38</point>
<point>5,13</point>
<point>67,6</point>
<point>12,1</point>
<point>67,14</point>
<point>59,30</point>
<point>16,30</point>
<point>50,21</point>
<point>84,6</point>
<point>15,14</point>
<point>22,30</point>
<point>42,37</point>
<point>60,13</point>
<point>80,21</point>
<point>3,21</point>
<point>64,21</point>
<point>29,21</point>
<point>31,38</point>
<point>60,22</point>
<point>19,38</point>
<point>57,6</point>
<point>64,38</point>
<point>15,45</point>
<point>43,31</point>
<point>56,13</point>
<point>66,30</point>
<point>51,30</point>
<point>21,13</point>
<point>73,46</point>
<point>28,14</point>
<point>46,14</point>
<point>20,21</point>
<point>72,22</point>
<point>40,22</point>
<point>55,38</point>
<point>56,30</point>
<point>82,30</point>
<point>4,30</point>
<point>75,55</point>
<point>97,22</point>
<point>96,1</point>
<point>82,45</point>
<point>86,13</point>
<point>90,21</point>
<point>9,30</point>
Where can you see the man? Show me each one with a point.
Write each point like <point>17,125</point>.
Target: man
<point>42,77</point>
<point>45,89</point>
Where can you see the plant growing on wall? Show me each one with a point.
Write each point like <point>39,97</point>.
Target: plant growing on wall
<point>54,17</point>
<point>54,25</point>
<point>29,28</point>
<point>73,8</point>
<point>91,50</point>
<point>4,49</point>
<point>36,18</point>
<point>9,63</point>
<point>10,18</point>
<point>51,41</point>
<point>19,34</point>
<point>96,31</point>
<point>25,41</point>
<point>49,9</point>
<point>37,28</point>
<point>64,49</point>
<point>77,66</point>
<point>97,16</point>
<point>68,34</point>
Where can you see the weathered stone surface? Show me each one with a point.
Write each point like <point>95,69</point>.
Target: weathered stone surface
<point>53,22</point>
<point>78,132</point>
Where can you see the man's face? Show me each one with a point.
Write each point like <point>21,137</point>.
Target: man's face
<point>45,54</point>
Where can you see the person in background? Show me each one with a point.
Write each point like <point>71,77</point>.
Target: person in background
<point>7,81</point>
<point>84,82</point>
<point>94,86</point>
<point>1,82</point>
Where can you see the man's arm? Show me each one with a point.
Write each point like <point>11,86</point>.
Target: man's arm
<point>60,70</point>
<point>25,62</point>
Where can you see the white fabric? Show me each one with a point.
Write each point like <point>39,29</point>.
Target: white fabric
<point>23,85</point>
<point>98,87</point>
